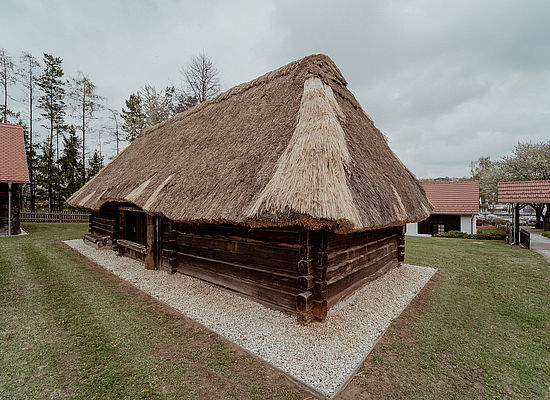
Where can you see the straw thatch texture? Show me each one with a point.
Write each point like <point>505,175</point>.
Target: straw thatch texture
<point>291,147</point>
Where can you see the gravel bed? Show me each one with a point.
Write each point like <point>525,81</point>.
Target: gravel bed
<point>323,356</point>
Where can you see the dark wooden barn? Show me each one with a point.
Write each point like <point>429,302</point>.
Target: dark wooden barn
<point>13,173</point>
<point>281,189</point>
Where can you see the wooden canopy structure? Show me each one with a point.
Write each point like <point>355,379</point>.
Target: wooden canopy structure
<point>13,173</point>
<point>520,194</point>
<point>281,188</point>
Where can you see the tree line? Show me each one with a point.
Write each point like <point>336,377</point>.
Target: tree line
<point>528,161</point>
<point>59,156</point>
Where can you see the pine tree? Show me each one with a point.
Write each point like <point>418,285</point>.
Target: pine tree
<point>70,164</point>
<point>52,104</point>
<point>95,164</point>
<point>134,117</point>
<point>47,176</point>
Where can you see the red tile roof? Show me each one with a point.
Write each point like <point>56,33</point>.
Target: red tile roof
<point>458,198</point>
<point>524,192</point>
<point>13,158</point>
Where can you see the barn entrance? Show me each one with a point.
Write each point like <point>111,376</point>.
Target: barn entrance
<point>139,236</point>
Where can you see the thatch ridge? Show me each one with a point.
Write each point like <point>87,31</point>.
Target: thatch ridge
<point>226,159</point>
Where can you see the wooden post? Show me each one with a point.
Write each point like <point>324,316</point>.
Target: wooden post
<point>401,246</point>
<point>150,243</point>
<point>318,242</point>
<point>121,230</point>
<point>516,224</point>
<point>9,208</point>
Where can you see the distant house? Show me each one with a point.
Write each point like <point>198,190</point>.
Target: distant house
<point>13,173</point>
<point>456,205</point>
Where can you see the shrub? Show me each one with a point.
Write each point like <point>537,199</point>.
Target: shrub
<point>494,234</point>
<point>453,234</point>
<point>490,235</point>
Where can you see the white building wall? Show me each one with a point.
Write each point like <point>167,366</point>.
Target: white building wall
<point>412,229</point>
<point>468,223</point>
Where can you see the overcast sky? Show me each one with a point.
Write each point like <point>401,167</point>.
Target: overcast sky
<point>447,82</point>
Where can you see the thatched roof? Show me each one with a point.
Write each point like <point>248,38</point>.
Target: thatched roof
<point>293,147</point>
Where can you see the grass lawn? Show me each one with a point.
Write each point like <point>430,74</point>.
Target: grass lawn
<point>69,329</point>
<point>480,330</point>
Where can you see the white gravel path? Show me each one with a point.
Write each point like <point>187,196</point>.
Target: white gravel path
<point>321,355</point>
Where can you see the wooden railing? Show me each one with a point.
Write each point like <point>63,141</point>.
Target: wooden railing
<point>61,216</point>
<point>525,238</point>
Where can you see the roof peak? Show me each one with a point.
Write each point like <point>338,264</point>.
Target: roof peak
<point>319,65</point>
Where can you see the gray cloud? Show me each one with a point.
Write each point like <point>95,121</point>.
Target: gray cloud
<point>447,82</point>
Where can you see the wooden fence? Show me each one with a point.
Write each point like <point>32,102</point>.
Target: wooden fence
<point>61,216</point>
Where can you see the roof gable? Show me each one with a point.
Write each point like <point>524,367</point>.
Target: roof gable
<point>13,158</point>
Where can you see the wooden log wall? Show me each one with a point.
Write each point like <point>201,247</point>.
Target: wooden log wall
<point>299,271</point>
<point>262,263</point>
<point>358,258</point>
<point>105,222</point>
<point>15,208</point>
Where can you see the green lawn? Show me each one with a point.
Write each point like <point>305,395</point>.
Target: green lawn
<point>68,329</point>
<point>483,333</point>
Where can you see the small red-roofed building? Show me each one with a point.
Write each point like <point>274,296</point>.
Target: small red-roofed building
<point>520,194</point>
<point>456,205</point>
<point>13,173</point>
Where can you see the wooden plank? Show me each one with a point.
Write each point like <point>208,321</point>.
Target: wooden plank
<point>102,231</point>
<point>246,273</point>
<point>239,246</point>
<point>342,283</point>
<point>337,256</point>
<point>121,224</point>
<point>150,242</point>
<point>277,297</point>
<point>269,262</point>
<point>349,265</point>
<point>337,242</point>
<point>105,226</point>
<point>274,236</point>
<point>132,245</point>
<point>350,289</point>
<point>130,208</point>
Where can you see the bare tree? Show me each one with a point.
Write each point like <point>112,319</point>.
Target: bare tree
<point>115,128</point>
<point>202,78</point>
<point>156,105</point>
<point>7,78</point>
<point>26,71</point>
<point>85,103</point>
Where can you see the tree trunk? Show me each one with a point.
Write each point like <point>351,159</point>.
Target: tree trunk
<point>546,221</point>
<point>84,132</point>
<point>5,120</point>
<point>31,167</point>
<point>538,211</point>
